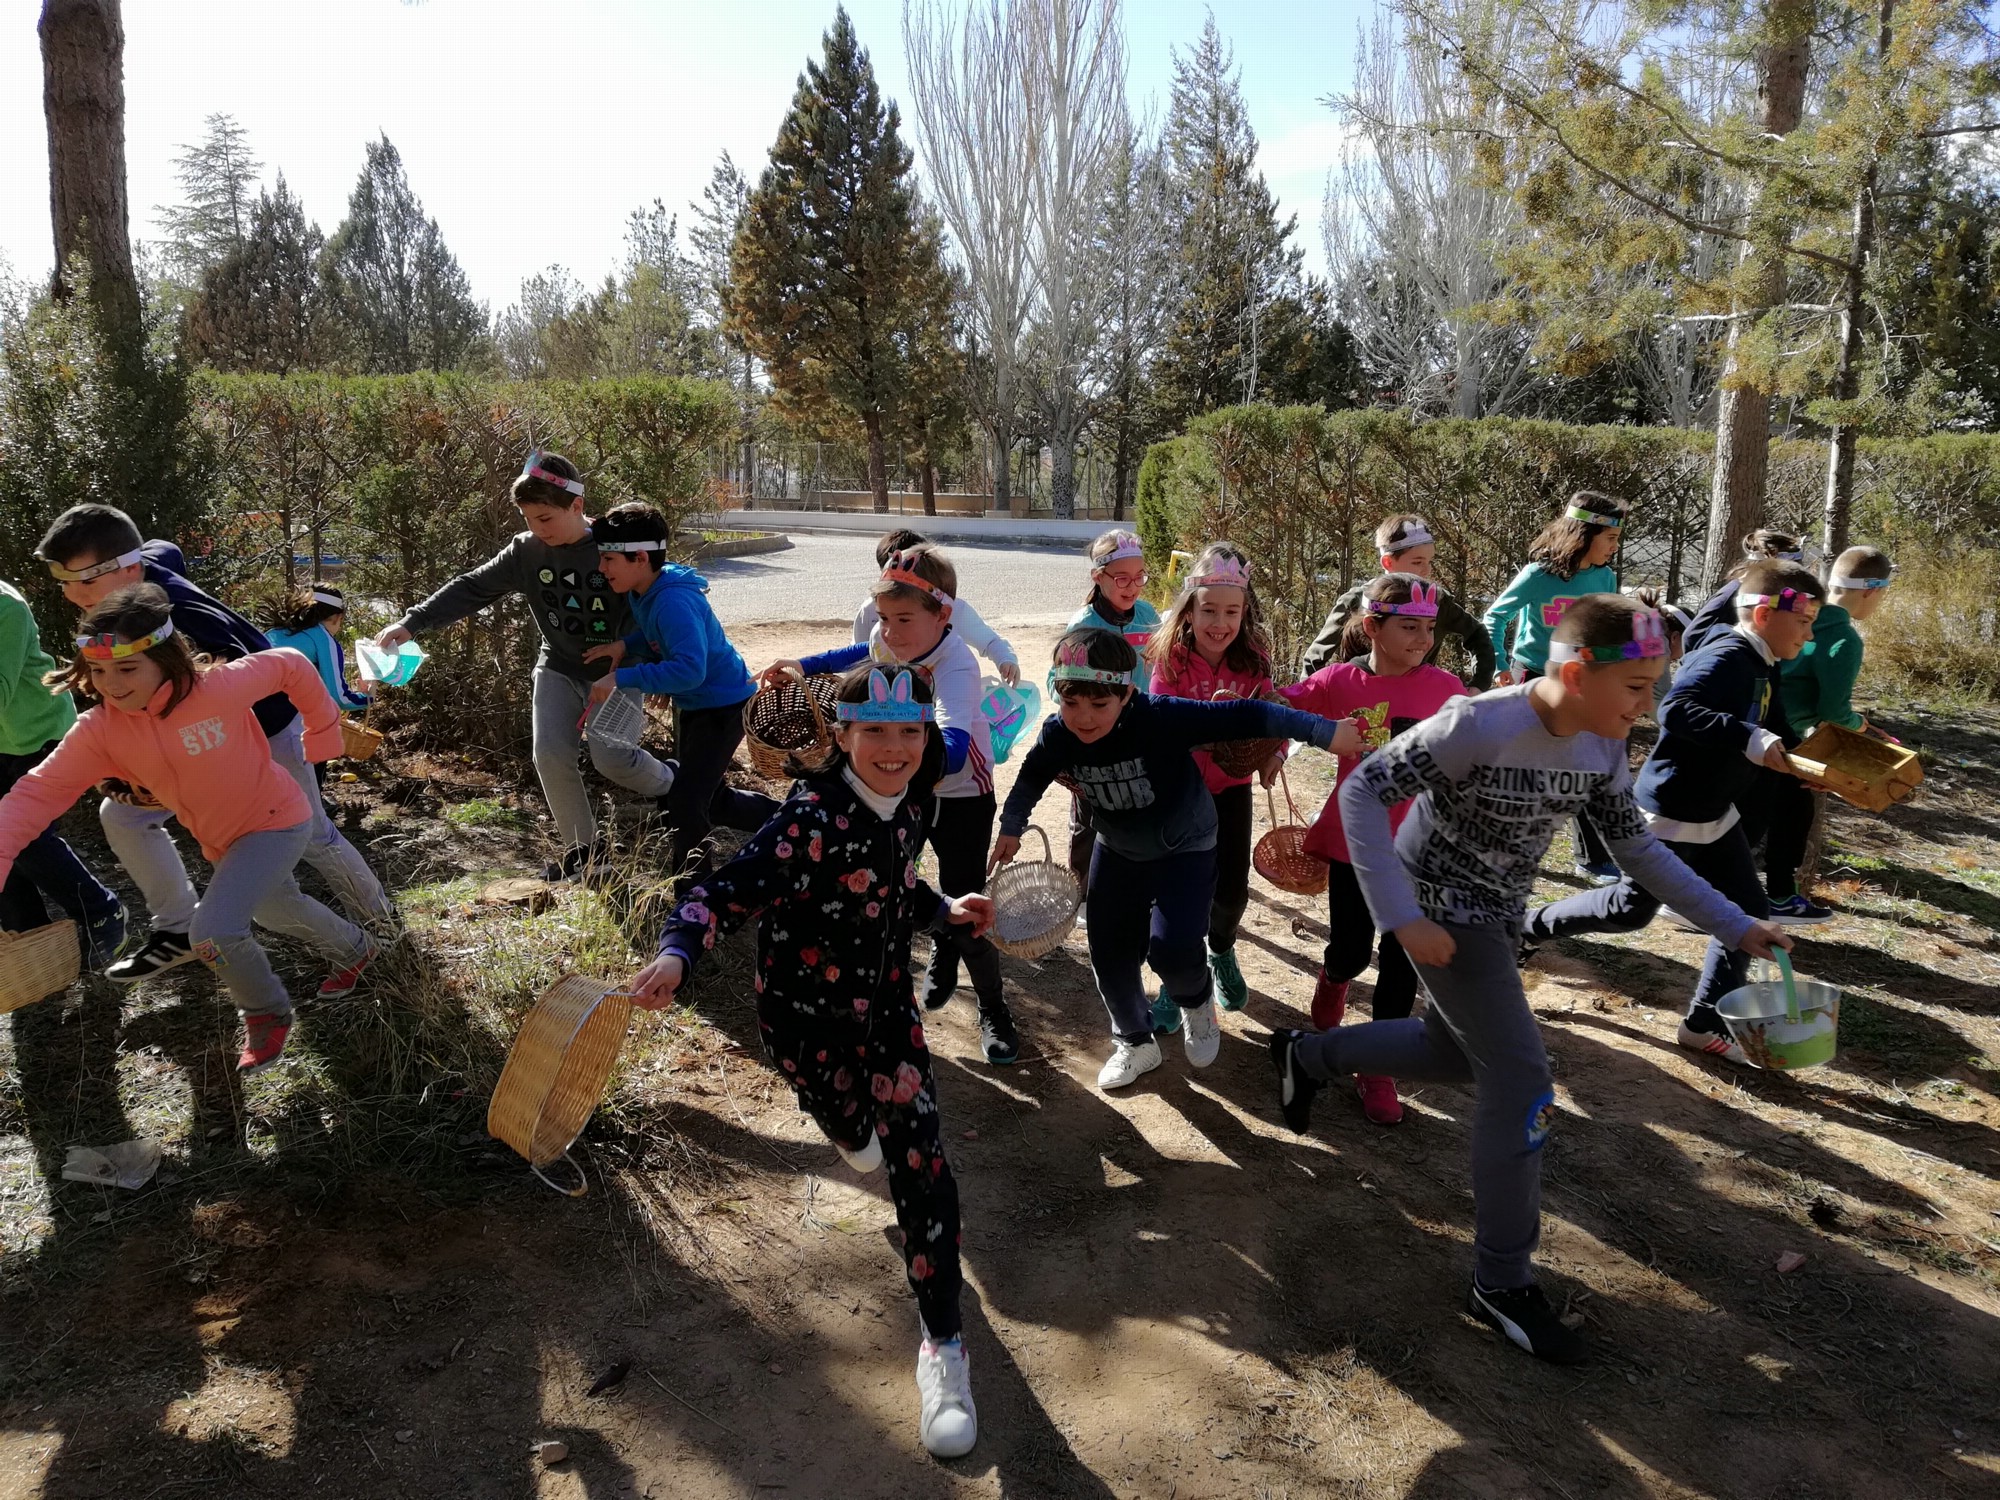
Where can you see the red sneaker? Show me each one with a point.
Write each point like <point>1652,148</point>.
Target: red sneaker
<point>343,981</point>
<point>1378,1099</point>
<point>1329,1002</point>
<point>263,1042</point>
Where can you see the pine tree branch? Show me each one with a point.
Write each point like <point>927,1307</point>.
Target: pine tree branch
<point>1981,128</point>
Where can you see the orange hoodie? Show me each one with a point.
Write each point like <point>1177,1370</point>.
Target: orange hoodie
<point>207,760</point>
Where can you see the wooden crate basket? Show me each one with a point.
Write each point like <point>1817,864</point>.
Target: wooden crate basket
<point>1858,768</point>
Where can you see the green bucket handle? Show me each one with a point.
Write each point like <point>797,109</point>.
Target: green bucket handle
<point>1791,985</point>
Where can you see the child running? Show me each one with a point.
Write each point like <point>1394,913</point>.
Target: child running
<point>678,651</point>
<point>95,551</point>
<point>831,883</point>
<point>310,621</point>
<point>1569,557</point>
<point>1713,753</point>
<point>916,602</point>
<point>1405,545</point>
<point>1152,873</point>
<point>1116,603</point>
<point>1718,611</point>
<point>553,566</point>
<point>189,734</point>
<point>965,621</point>
<point>1491,777</point>
<point>1212,644</point>
<point>33,717</point>
<point>1389,689</point>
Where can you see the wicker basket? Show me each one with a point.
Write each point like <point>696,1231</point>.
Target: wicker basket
<point>1856,768</point>
<point>1280,856</point>
<point>789,719</point>
<point>39,962</point>
<point>1035,903</point>
<point>557,1068</point>
<point>1243,757</point>
<point>358,741</point>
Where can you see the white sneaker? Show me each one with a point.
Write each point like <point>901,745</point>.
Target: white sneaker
<point>1709,1044</point>
<point>867,1159</point>
<point>1129,1062</point>
<point>948,1424</point>
<point>1201,1033</point>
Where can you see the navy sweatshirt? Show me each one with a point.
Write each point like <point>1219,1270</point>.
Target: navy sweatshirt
<point>1146,795</point>
<point>211,627</point>
<point>1701,766</point>
<point>1717,613</point>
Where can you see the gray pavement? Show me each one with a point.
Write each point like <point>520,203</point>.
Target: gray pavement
<point>827,577</point>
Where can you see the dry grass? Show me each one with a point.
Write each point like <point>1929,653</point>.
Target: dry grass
<point>1937,633</point>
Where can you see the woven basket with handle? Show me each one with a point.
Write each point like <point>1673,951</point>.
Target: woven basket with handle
<point>557,1068</point>
<point>358,741</point>
<point>38,962</point>
<point>1243,757</point>
<point>1280,856</point>
<point>789,719</point>
<point>1035,903</point>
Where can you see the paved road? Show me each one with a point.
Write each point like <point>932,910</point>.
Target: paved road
<point>826,578</point>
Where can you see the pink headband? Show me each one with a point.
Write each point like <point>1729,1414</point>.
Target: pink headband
<point>1422,603</point>
<point>1223,573</point>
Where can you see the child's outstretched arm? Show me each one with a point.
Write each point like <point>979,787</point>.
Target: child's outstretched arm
<point>76,765</point>
<point>983,638</point>
<point>1190,723</point>
<point>1502,611</point>
<point>493,580</point>
<point>1702,707</point>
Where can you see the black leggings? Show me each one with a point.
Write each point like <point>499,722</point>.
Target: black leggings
<point>1234,816</point>
<point>700,798</point>
<point>961,833</point>
<point>1779,814</point>
<point>1350,940</point>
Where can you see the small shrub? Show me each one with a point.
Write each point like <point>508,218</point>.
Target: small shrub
<point>1937,632</point>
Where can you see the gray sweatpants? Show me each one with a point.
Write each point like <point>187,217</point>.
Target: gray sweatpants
<point>1478,1030</point>
<point>253,882</point>
<point>139,837</point>
<point>559,702</point>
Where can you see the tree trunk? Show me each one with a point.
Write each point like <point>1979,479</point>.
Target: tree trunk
<point>83,98</point>
<point>1743,412</point>
<point>1847,376</point>
<point>878,468</point>
<point>1062,478</point>
<point>929,468</point>
<point>1003,468</point>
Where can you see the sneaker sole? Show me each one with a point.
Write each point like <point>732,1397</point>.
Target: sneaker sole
<point>263,1067</point>
<point>152,973</point>
<point>1514,1333</point>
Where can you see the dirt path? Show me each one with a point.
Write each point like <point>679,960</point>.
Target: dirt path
<point>1170,1294</point>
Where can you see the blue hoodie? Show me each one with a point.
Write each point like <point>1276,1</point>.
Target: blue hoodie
<point>679,650</point>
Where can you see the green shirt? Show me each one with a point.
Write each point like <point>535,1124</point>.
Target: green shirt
<point>30,714</point>
<point>1817,686</point>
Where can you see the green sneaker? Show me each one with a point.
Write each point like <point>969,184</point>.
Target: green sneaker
<point>1230,988</point>
<point>1166,1013</point>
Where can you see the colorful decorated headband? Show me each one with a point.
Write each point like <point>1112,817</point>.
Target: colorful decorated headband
<point>1649,639</point>
<point>110,647</point>
<point>1591,517</point>
<point>1791,601</point>
<point>899,571</point>
<point>328,598</point>
<point>1422,603</point>
<point>1127,547</point>
<point>1415,534</point>
<point>533,469</point>
<point>95,570</point>
<point>1073,665</point>
<point>887,703</point>
<point>1223,573</point>
<point>1842,581</point>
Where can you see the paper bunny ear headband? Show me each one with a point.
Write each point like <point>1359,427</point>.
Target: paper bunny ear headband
<point>887,702</point>
<point>1423,603</point>
<point>533,469</point>
<point>1073,665</point>
<point>1649,639</point>
<point>1223,573</point>
<point>898,570</point>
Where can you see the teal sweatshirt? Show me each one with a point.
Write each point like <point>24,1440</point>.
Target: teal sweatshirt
<point>1817,686</point>
<point>31,716</point>
<point>1138,630</point>
<point>1533,603</point>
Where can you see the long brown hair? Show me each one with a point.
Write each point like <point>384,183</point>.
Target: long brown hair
<point>1249,652</point>
<point>1383,588</point>
<point>1560,546</point>
<point>132,613</point>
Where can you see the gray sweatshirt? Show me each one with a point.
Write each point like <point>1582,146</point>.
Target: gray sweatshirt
<point>1491,785</point>
<point>569,598</point>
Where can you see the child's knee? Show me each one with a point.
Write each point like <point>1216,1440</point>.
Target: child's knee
<point>1178,958</point>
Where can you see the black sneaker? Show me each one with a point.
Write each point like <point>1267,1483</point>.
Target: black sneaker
<point>1523,1315</point>
<point>161,952</point>
<point>936,992</point>
<point>997,1036</point>
<point>1295,1089</point>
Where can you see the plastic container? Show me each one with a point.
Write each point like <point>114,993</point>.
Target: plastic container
<point>390,668</point>
<point>1783,1024</point>
<point>1009,711</point>
<point>620,722</point>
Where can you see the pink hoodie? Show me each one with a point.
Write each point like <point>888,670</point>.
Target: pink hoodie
<point>207,760</point>
<point>1187,674</point>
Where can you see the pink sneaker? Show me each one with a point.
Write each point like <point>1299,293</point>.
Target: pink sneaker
<point>263,1042</point>
<point>1378,1099</point>
<point>343,981</point>
<point>1329,1002</point>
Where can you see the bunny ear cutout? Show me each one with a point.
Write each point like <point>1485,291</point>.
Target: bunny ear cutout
<point>887,704</point>
<point>902,689</point>
<point>878,687</point>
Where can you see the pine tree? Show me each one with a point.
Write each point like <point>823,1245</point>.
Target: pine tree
<point>218,181</point>
<point>930,408</point>
<point>718,219</point>
<point>1232,256</point>
<point>401,296</point>
<point>263,306</point>
<point>820,275</point>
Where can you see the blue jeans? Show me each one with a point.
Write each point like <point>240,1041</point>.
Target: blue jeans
<point>47,872</point>
<point>1149,911</point>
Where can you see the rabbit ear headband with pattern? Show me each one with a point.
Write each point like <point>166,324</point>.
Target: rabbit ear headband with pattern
<point>887,702</point>
<point>1223,573</point>
<point>1073,665</point>
<point>898,570</point>
<point>1422,603</point>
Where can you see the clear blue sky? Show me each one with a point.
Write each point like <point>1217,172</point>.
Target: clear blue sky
<point>530,128</point>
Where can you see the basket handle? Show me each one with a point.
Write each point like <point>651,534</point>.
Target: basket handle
<point>1791,985</point>
<point>1048,854</point>
<point>1291,807</point>
<point>582,1181</point>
